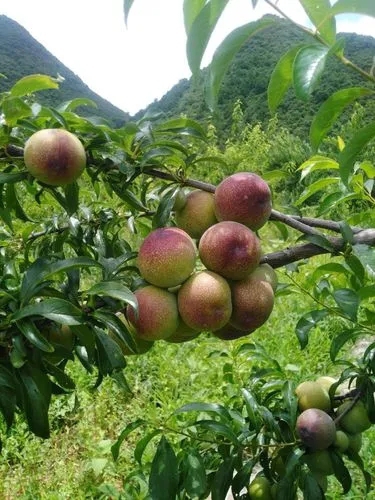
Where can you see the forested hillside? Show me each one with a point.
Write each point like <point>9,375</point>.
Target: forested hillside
<point>249,75</point>
<point>21,55</point>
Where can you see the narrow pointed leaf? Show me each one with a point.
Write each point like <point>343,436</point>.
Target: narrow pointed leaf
<point>36,397</point>
<point>318,12</point>
<point>115,290</point>
<point>223,479</point>
<point>349,154</point>
<point>127,6</point>
<point>191,9</point>
<point>308,67</point>
<point>205,407</point>
<point>163,481</point>
<point>365,7</point>
<point>306,323</point>
<point>348,301</point>
<point>201,30</point>
<point>55,309</point>
<point>195,480</point>
<point>110,357</point>
<point>331,109</point>
<point>281,78</point>
<point>33,335</point>
<point>115,448</point>
<point>33,83</point>
<point>225,53</point>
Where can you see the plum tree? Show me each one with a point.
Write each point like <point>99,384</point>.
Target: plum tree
<point>230,249</point>
<point>167,257</point>
<point>54,156</point>
<point>243,197</point>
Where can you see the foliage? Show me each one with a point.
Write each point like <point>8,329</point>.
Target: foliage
<point>68,264</point>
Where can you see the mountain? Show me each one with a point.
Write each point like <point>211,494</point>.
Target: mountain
<point>249,74</point>
<point>21,55</point>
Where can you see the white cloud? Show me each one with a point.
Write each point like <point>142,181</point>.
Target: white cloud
<point>132,67</point>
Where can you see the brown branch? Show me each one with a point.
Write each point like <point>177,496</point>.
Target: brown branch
<point>300,252</point>
<point>325,224</point>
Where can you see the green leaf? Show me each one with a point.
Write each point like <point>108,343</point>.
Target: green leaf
<point>195,480</point>
<point>217,428</point>
<point>163,481</point>
<point>110,357</point>
<point>36,397</point>
<point>317,162</point>
<point>350,153</point>
<point>223,479</point>
<point>7,395</point>
<point>185,126</point>
<point>14,108</point>
<point>324,269</point>
<point>43,269</point>
<point>191,9</point>
<point>341,472</point>
<point>60,377</point>
<point>340,340</point>
<point>115,448</point>
<point>127,6</point>
<point>281,78</point>
<point>311,488</point>
<point>75,103</point>
<point>117,326</point>
<point>165,207</point>
<point>364,7</point>
<point>315,187</point>
<point>71,192</point>
<point>224,55</point>
<point>32,83</point>
<point>12,177</point>
<point>320,241</point>
<point>306,323</point>
<point>331,109</point>
<point>307,69</point>
<point>201,30</point>
<point>219,410</point>
<point>142,443</point>
<point>33,335</point>
<point>348,301</point>
<point>318,12</point>
<point>55,309</point>
<point>115,290</point>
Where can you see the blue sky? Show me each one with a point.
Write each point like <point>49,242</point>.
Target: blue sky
<point>133,66</point>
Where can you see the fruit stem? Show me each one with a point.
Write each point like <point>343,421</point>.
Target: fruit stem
<point>350,406</point>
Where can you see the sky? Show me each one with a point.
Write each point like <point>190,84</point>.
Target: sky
<point>134,65</point>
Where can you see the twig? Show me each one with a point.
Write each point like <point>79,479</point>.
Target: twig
<point>349,407</point>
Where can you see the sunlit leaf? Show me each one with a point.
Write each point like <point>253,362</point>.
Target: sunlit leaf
<point>224,55</point>
<point>114,289</point>
<point>318,12</point>
<point>315,187</point>
<point>201,30</point>
<point>32,83</point>
<point>317,162</point>
<point>331,109</point>
<point>350,153</point>
<point>191,9</point>
<point>308,67</point>
<point>281,78</point>
<point>364,7</point>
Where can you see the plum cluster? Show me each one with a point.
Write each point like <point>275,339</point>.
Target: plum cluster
<point>205,274</point>
<point>324,426</point>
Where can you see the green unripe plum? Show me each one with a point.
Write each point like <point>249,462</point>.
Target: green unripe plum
<point>265,272</point>
<point>356,419</point>
<point>230,249</point>
<point>157,316</point>
<point>197,214</point>
<point>319,462</point>
<point>341,442</point>
<point>326,382</point>
<point>355,443</point>
<point>62,339</point>
<point>179,200</point>
<point>167,257</point>
<point>253,302</point>
<point>204,301</point>
<point>54,156</point>
<point>260,489</point>
<point>243,197</point>
<point>311,394</point>
<point>316,429</point>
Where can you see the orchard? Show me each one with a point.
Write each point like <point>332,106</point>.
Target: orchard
<point>112,246</point>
